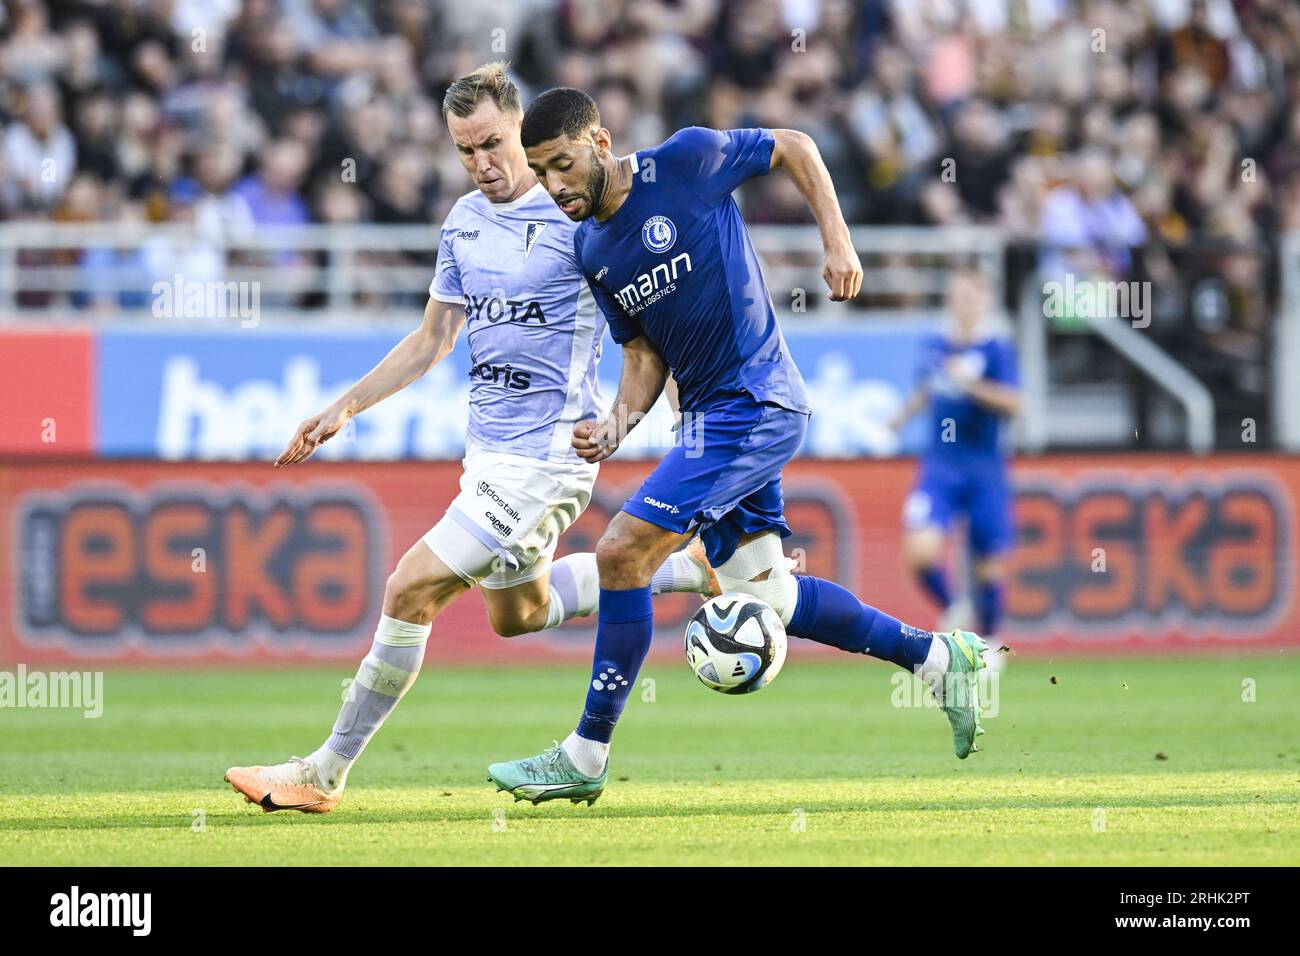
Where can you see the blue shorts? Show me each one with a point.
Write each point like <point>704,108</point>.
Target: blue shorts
<point>724,475</point>
<point>980,490</point>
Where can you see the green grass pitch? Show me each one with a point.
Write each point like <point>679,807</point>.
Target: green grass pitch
<point>820,767</point>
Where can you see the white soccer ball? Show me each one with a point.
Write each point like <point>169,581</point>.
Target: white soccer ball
<point>735,644</point>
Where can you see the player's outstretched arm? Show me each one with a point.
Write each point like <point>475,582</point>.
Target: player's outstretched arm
<point>797,154</point>
<point>639,387</point>
<point>915,402</point>
<point>409,359</point>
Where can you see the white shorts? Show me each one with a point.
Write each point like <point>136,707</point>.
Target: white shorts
<point>502,529</point>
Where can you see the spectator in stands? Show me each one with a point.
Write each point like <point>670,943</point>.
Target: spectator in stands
<point>40,152</point>
<point>1090,226</point>
<point>94,129</point>
<point>281,83</point>
<point>272,194</point>
<point>1194,46</point>
<point>221,215</point>
<point>403,191</point>
<point>897,134</point>
<point>978,162</point>
<point>189,257</point>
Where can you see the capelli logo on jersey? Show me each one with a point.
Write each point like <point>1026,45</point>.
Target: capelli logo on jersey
<point>507,375</point>
<point>467,235</point>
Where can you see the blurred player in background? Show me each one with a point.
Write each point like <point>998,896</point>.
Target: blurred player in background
<point>506,267</point>
<point>669,259</point>
<point>967,385</point>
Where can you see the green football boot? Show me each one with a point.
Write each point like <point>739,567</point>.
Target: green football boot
<point>959,698</point>
<point>548,776</point>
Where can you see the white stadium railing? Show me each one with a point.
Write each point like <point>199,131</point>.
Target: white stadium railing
<point>362,272</point>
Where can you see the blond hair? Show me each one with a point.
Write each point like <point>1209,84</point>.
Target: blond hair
<point>488,82</point>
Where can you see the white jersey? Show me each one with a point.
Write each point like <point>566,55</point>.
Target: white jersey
<point>534,330</point>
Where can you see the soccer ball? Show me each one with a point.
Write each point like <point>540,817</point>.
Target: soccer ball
<point>735,644</point>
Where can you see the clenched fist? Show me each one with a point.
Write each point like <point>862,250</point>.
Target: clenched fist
<point>842,272</point>
<point>595,441</point>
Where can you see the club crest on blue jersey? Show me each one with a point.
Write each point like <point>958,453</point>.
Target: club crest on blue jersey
<point>658,234</point>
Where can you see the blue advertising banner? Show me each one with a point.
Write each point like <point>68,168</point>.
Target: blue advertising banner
<point>237,394</point>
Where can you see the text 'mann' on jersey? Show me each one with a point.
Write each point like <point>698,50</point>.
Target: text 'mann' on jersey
<point>675,264</point>
<point>534,330</point>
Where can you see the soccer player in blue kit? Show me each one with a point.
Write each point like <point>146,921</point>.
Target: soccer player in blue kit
<point>967,384</point>
<point>670,263</point>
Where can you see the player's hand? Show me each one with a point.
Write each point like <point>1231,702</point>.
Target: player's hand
<point>595,441</point>
<point>960,373</point>
<point>313,433</point>
<point>843,272</point>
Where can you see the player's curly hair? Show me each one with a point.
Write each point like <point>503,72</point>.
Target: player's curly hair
<point>488,82</point>
<point>562,111</point>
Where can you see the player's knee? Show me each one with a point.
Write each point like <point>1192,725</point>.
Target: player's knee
<point>618,555</point>
<point>922,549</point>
<point>405,594</point>
<point>511,625</point>
<point>759,568</point>
<point>512,628</point>
<point>412,588</point>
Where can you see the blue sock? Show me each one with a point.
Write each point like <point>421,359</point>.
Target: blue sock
<point>829,614</point>
<point>934,580</point>
<point>988,606</point>
<point>623,635</point>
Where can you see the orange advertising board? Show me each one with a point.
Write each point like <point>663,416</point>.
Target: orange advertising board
<point>207,564</point>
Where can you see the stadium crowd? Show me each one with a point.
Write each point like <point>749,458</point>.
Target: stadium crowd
<point>1155,139</point>
<point>1161,119</point>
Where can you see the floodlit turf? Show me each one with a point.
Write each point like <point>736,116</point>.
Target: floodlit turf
<point>819,767</point>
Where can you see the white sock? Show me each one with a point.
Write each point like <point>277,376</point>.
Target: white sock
<point>589,756</point>
<point>575,588</point>
<point>331,768</point>
<point>936,663</point>
<point>679,573</point>
<point>385,675</point>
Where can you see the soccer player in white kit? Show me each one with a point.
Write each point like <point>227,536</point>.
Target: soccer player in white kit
<point>506,271</point>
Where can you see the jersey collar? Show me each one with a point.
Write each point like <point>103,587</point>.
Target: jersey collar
<point>523,200</point>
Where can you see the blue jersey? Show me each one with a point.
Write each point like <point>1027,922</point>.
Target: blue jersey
<point>674,263</point>
<point>958,428</point>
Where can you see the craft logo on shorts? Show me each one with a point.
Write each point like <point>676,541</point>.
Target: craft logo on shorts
<point>658,234</point>
<point>193,566</point>
<point>486,489</point>
<point>661,505</point>
<point>1211,555</point>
